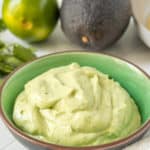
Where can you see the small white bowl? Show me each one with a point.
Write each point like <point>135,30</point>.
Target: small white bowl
<point>141,11</point>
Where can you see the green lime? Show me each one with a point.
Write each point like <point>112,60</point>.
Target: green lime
<point>31,20</point>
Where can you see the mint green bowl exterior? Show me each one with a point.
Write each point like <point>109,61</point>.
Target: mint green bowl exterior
<point>133,79</point>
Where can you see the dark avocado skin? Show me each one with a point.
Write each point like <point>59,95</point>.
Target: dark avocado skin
<point>102,22</point>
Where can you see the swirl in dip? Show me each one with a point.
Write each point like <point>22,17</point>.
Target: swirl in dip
<point>75,106</point>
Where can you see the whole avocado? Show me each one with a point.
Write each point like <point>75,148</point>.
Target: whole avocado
<point>95,24</point>
<point>31,20</point>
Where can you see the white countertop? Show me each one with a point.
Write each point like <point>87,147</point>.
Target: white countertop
<point>128,47</point>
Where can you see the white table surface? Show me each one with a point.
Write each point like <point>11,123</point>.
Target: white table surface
<point>128,47</point>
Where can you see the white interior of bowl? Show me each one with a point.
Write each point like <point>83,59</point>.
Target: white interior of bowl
<point>140,8</point>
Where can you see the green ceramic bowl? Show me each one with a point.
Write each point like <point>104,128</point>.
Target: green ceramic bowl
<point>133,79</point>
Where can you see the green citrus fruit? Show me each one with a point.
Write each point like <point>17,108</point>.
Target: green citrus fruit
<point>31,20</point>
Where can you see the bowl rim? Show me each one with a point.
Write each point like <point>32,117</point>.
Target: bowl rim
<point>35,141</point>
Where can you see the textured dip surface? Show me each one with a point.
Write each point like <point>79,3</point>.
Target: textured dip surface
<point>75,106</point>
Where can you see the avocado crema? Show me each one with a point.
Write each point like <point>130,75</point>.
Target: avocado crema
<point>75,106</point>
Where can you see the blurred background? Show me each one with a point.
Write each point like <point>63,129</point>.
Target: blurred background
<point>129,46</point>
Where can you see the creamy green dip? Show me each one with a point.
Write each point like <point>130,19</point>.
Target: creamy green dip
<point>75,106</point>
